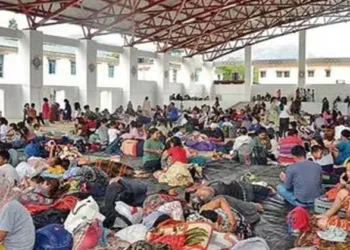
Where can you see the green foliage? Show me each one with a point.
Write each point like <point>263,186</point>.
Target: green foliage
<point>228,70</point>
<point>13,24</point>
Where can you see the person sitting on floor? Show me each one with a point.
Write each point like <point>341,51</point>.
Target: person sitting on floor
<point>215,133</point>
<point>16,225</point>
<point>153,149</point>
<point>6,170</point>
<point>176,152</point>
<point>321,155</point>
<point>286,144</point>
<point>342,201</point>
<point>342,150</point>
<point>102,132</point>
<point>302,180</point>
<point>137,132</point>
<point>261,147</point>
<point>244,138</point>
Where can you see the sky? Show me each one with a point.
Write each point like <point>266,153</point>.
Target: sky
<point>327,41</point>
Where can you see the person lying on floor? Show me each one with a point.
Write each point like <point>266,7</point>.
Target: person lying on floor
<point>302,182</point>
<point>16,225</point>
<point>237,189</point>
<point>342,201</point>
<point>130,191</point>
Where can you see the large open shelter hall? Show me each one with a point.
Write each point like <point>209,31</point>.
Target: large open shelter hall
<point>174,125</point>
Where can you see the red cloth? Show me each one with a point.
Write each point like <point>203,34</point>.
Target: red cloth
<point>178,154</point>
<point>300,219</point>
<point>91,124</point>
<point>65,204</point>
<point>45,109</point>
<point>286,145</point>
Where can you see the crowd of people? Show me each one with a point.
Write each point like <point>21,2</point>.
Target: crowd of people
<point>56,193</point>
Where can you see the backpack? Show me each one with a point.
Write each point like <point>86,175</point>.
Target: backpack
<point>244,152</point>
<point>53,237</point>
<point>258,156</point>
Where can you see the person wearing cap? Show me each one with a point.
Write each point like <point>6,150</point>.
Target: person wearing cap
<point>215,133</point>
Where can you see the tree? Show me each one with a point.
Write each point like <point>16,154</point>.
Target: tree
<point>228,70</point>
<point>13,24</point>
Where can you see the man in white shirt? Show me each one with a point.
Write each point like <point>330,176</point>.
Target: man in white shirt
<point>6,170</point>
<point>244,138</point>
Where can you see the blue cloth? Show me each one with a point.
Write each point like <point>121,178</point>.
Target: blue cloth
<point>304,180</point>
<point>255,127</point>
<point>344,152</point>
<point>290,198</point>
<point>32,149</point>
<point>174,114</point>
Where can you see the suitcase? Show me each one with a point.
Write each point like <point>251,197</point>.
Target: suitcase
<point>129,147</point>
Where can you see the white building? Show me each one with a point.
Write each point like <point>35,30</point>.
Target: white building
<point>318,71</point>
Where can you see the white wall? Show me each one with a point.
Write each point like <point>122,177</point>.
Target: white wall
<point>271,77</point>
<point>141,89</point>
<point>117,97</point>
<point>195,89</point>
<point>173,88</point>
<point>331,91</point>
<point>230,95</point>
<point>63,75</point>
<point>287,90</point>
<point>11,70</point>
<point>103,79</point>
<point>13,106</point>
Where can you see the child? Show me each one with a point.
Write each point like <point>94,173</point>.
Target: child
<point>58,167</point>
<point>176,152</point>
<point>40,192</point>
<point>7,170</point>
<point>37,130</point>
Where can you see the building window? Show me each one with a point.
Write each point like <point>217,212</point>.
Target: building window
<point>262,74</point>
<point>174,75</point>
<point>279,74</point>
<point>1,66</point>
<point>52,67</point>
<point>286,74</point>
<point>111,71</point>
<point>310,73</point>
<point>73,68</point>
<point>328,73</point>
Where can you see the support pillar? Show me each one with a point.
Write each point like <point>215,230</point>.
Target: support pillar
<point>129,70</point>
<point>248,74</point>
<point>302,59</point>
<point>30,52</point>
<point>163,74</point>
<point>208,79</point>
<point>87,73</point>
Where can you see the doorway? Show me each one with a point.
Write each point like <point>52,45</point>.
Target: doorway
<point>106,100</point>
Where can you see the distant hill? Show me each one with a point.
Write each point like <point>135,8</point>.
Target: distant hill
<point>279,52</point>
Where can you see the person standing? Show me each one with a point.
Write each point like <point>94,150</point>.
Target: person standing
<point>313,95</point>
<point>147,108</point>
<point>278,94</point>
<point>45,109</point>
<point>25,111</point>
<point>284,116</point>
<point>67,111</point>
<point>77,110</point>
